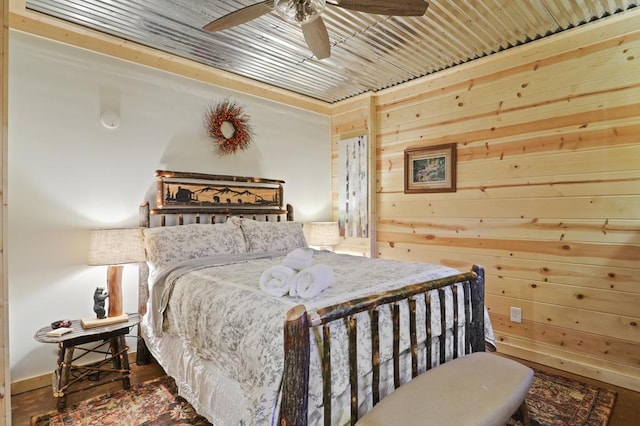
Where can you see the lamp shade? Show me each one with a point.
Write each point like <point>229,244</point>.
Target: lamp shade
<point>324,234</point>
<point>116,246</point>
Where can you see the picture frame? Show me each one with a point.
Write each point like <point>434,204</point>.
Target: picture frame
<point>430,169</point>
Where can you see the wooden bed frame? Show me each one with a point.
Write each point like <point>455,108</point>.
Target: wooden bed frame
<point>299,322</point>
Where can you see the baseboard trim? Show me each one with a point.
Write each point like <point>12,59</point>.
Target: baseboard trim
<point>581,365</point>
<point>44,380</point>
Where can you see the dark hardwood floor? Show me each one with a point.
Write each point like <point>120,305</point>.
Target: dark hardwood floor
<point>626,411</point>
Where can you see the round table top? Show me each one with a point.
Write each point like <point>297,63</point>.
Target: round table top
<point>78,330</point>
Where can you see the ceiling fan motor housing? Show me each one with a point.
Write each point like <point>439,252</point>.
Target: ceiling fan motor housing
<point>300,11</point>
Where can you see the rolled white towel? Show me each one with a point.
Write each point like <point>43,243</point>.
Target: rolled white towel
<point>311,281</point>
<point>276,280</point>
<point>299,259</point>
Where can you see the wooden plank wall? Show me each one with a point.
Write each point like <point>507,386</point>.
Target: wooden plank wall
<point>548,199</point>
<point>5,395</point>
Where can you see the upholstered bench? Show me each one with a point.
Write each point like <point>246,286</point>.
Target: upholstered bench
<point>476,389</point>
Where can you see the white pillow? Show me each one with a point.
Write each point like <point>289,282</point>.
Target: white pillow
<point>169,244</point>
<point>271,236</point>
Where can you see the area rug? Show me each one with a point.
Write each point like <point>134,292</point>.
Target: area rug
<point>552,401</point>
<point>155,402</point>
<point>558,401</point>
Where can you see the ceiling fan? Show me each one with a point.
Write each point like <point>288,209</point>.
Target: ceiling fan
<point>307,13</point>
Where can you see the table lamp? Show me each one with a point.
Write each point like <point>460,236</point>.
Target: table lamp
<point>114,248</point>
<point>324,234</point>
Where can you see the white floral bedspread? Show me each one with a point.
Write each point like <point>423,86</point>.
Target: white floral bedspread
<point>222,312</point>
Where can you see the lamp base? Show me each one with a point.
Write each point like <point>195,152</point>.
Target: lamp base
<point>99,322</point>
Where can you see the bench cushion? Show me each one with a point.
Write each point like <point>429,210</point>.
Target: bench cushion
<point>476,389</point>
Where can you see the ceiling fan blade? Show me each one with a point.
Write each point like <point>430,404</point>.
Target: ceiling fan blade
<point>382,7</point>
<point>240,16</point>
<point>317,37</point>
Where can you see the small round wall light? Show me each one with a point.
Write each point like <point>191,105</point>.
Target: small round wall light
<point>110,120</point>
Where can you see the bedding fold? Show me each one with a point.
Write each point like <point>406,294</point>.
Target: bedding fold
<point>299,259</point>
<point>311,281</point>
<point>276,280</point>
<point>162,281</point>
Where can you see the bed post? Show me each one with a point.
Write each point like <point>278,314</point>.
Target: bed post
<point>477,310</point>
<point>294,403</point>
<point>143,356</point>
<point>289,213</point>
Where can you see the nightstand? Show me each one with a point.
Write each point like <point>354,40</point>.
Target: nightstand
<point>108,340</point>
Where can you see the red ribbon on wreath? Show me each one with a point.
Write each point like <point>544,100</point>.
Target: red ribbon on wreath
<point>230,112</point>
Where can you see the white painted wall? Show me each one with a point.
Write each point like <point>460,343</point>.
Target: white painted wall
<point>69,174</point>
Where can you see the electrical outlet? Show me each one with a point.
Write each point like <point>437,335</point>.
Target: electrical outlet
<point>516,314</point>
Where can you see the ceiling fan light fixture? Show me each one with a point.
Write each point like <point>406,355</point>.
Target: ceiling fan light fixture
<point>299,11</point>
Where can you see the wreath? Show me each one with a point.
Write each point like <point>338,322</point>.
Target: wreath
<point>228,112</point>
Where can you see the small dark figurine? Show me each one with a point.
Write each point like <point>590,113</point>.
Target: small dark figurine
<point>99,297</point>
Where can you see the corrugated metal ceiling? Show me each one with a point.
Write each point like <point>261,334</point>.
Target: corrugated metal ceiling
<point>368,52</point>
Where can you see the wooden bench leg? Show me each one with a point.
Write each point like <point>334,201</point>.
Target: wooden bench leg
<point>524,414</point>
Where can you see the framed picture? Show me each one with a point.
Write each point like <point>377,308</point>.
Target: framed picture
<point>430,169</point>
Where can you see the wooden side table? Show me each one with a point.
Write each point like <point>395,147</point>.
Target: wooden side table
<point>108,340</point>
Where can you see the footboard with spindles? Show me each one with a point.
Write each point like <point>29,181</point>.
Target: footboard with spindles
<point>299,322</point>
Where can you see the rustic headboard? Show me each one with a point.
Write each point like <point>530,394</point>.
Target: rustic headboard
<point>184,197</point>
